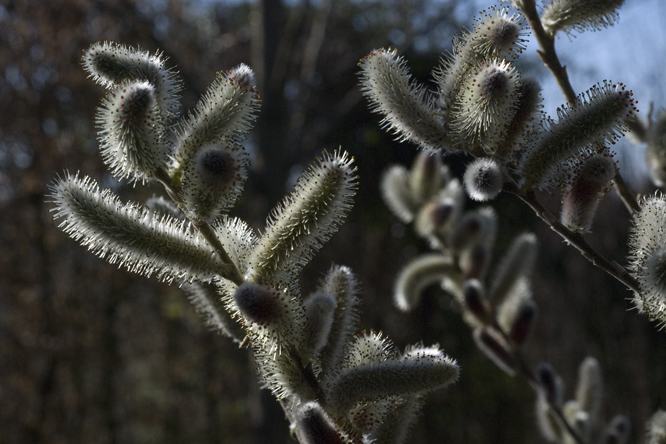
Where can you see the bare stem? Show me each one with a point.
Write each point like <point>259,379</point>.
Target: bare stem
<point>547,52</point>
<point>576,239</point>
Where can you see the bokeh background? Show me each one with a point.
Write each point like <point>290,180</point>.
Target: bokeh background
<point>93,354</point>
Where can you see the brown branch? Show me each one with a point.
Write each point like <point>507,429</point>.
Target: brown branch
<point>576,240</point>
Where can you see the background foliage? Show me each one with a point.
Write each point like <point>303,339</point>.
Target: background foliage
<point>92,354</point>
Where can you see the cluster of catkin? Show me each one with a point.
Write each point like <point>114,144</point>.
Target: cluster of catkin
<point>335,386</point>
<point>482,108</point>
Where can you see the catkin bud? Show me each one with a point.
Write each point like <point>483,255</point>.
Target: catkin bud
<point>315,427</point>
<point>496,34</point>
<point>132,236</point>
<point>527,118</point>
<point>434,216</point>
<point>258,303</point>
<point>111,64</point>
<point>655,155</point>
<point>581,199</point>
<point>590,388</point>
<point>319,309</point>
<point>517,263</point>
<point>475,302</point>
<point>647,256</point>
<point>427,176</point>
<point>523,323</point>
<point>550,384</point>
<point>485,105</point>
<point>132,137</point>
<point>397,194</point>
<point>491,343</point>
<point>598,117</point>
<point>306,219</point>
<point>213,180</point>
<point>618,430</point>
<point>474,261</point>
<point>579,15</point>
<point>483,179</point>
<point>408,111</point>
<point>656,428</point>
<point>341,283</point>
<point>419,274</point>
<point>419,371</point>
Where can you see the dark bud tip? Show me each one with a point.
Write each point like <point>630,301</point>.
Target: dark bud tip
<point>315,427</point>
<point>257,303</point>
<point>523,323</point>
<point>549,383</point>
<point>215,165</point>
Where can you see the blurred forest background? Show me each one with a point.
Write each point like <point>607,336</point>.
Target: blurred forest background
<point>92,354</point>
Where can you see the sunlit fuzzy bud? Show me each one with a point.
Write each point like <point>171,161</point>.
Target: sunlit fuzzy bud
<point>306,219</point>
<point>493,345</point>
<point>213,180</point>
<point>656,428</point>
<point>396,425</point>
<point>131,235</point>
<point>517,262</point>
<point>579,15</point>
<point>582,197</point>
<point>485,105</point>
<point>132,137</point>
<point>647,256</point>
<point>474,261</point>
<point>419,371</point>
<point>209,162</point>
<point>578,419</point>
<point>368,347</point>
<point>474,238</point>
<point>365,416</point>
<point>419,274</point>
<point>483,179</point>
<point>408,111</point>
<point>527,119</point>
<point>435,216</point>
<point>111,64</point>
<point>427,176</point>
<point>243,76</point>
<point>550,384</point>
<point>523,323</point>
<point>237,239</point>
<point>397,194</point>
<point>549,423</point>
<point>341,283</point>
<point>208,304</point>
<point>655,155</point>
<point>315,427</point>
<point>274,319</point>
<point>590,389</point>
<point>258,303</point>
<point>475,301</point>
<point>319,309</point>
<point>618,431</point>
<point>496,34</point>
<point>598,117</point>
<point>469,230</point>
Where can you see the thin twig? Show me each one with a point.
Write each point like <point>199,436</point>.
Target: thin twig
<point>625,194</point>
<point>577,240</point>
